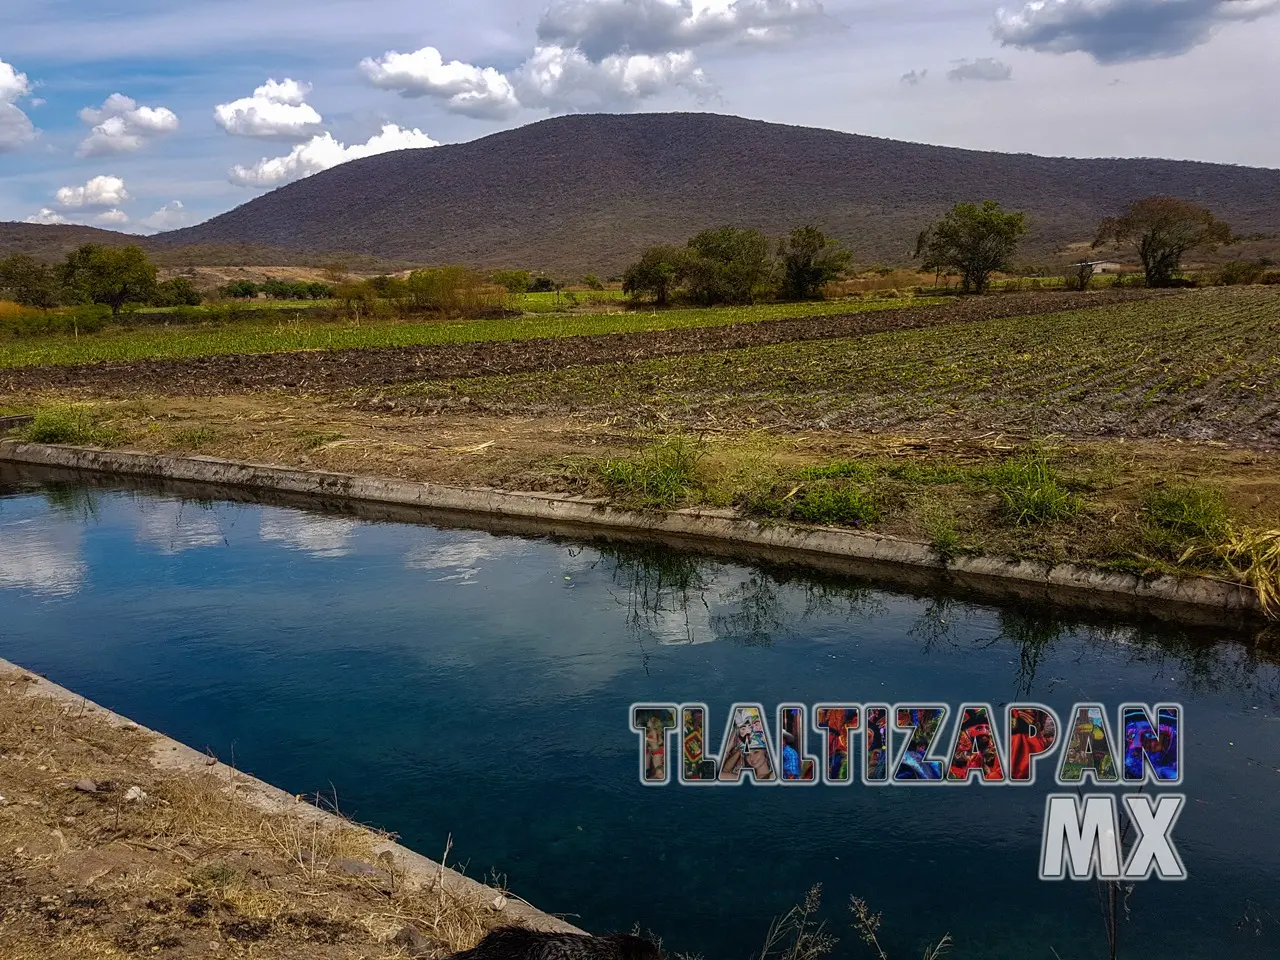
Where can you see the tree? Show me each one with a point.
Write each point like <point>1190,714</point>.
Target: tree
<point>656,274</point>
<point>729,265</point>
<point>973,241</point>
<point>240,289</point>
<point>1163,230</point>
<point>110,275</point>
<point>810,260</point>
<point>516,282</point>
<point>176,292</point>
<point>1079,275</point>
<point>29,282</point>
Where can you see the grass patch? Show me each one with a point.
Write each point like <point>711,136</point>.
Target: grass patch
<point>78,426</point>
<point>831,504</point>
<point>664,474</point>
<point>1031,493</point>
<point>194,438</point>
<point>1189,510</point>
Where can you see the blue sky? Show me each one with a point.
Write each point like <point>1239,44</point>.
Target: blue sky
<point>149,114</point>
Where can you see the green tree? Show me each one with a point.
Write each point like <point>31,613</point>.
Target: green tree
<point>110,275</point>
<point>1162,230</point>
<point>656,274</point>
<point>27,281</point>
<point>240,289</point>
<point>974,241</point>
<point>729,265</point>
<point>810,260</point>
<point>515,282</point>
<point>176,292</point>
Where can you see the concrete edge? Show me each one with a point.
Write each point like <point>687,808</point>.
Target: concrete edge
<point>173,757</point>
<point>1232,600</point>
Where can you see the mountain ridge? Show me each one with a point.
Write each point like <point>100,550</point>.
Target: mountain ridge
<point>586,192</point>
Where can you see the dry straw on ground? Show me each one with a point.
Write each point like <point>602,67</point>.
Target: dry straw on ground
<point>105,854</point>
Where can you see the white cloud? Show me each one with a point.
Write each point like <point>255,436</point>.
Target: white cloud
<point>16,127</point>
<point>275,111</point>
<point>169,217</point>
<point>112,218</point>
<point>120,125</point>
<point>98,192</point>
<point>604,28</point>
<point>469,90</point>
<point>1114,31</point>
<point>47,216</point>
<point>323,152</point>
<point>566,79</point>
<point>984,68</point>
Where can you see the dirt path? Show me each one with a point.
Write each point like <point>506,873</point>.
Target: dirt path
<point>314,371</point>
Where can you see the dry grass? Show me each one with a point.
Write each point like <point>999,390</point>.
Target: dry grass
<point>193,869</point>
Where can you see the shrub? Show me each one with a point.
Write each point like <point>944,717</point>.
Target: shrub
<point>73,425</point>
<point>176,292</point>
<point>240,289</point>
<point>1236,272</point>
<point>542,285</point>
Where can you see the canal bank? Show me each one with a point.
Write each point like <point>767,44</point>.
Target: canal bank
<point>1199,600</point>
<point>118,838</point>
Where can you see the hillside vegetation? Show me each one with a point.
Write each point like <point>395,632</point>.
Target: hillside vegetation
<point>587,193</point>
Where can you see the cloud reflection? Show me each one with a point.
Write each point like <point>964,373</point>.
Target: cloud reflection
<point>311,533</point>
<point>44,558</point>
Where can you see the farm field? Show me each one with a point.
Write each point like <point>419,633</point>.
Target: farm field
<point>157,342</point>
<point>1122,429</point>
<point>1202,366</point>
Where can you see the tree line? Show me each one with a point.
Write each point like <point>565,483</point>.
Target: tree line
<point>728,265</point>
<point>737,265</point>
<point>93,274</point>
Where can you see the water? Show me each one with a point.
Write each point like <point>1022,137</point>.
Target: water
<point>448,682</point>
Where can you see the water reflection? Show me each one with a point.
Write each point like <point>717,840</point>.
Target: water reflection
<point>463,558</point>
<point>682,598</point>
<point>311,533</point>
<point>45,560</point>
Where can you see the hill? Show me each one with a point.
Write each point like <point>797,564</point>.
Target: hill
<point>584,193</point>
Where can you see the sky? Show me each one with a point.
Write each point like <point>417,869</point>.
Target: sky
<point>147,115</point>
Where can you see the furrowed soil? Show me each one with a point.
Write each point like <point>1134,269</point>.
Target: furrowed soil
<point>338,369</point>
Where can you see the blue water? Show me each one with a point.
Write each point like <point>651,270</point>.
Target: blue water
<point>452,683</point>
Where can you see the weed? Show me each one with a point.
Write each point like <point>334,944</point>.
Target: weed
<point>840,469</point>
<point>215,876</point>
<point>1030,492</point>
<point>662,475</point>
<point>823,502</point>
<point>1193,511</point>
<point>77,425</point>
<point>314,439</point>
<point>194,438</point>
<point>1252,556</point>
<point>839,505</point>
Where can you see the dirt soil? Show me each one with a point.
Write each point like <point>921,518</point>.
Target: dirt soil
<point>340,369</point>
<point>105,854</point>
